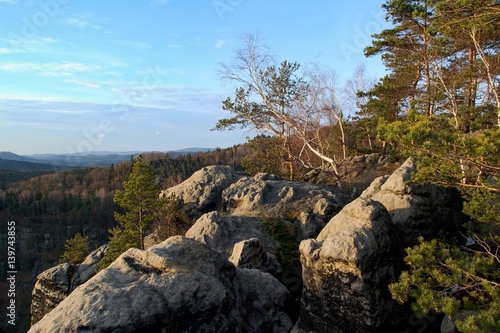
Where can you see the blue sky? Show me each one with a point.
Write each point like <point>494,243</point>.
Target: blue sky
<point>109,75</point>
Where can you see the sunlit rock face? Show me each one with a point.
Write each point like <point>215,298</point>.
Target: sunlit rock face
<point>308,206</point>
<point>346,271</point>
<point>204,188</point>
<point>56,283</point>
<point>180,285</point>
<point>348,267</point>
<point>416,210</point>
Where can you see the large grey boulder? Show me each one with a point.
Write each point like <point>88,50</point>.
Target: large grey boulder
<point>204,187</point>
<point>346,271</point>
<point>222,232</point>
<point>416,210</point>
<point>309,206</point>
<point>180,285</point>
<point>56,283</point>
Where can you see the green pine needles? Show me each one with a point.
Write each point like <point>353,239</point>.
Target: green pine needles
<point>140,207</point>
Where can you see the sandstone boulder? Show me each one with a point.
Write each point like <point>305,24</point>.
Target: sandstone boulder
<point>416,210</point>
<point>251,254</point>
<point>179,285</point>
<point>56,283</point>
<point>204,187</point>
<point>222,232</point>
<point>346,271</point>
<point>310,206</point>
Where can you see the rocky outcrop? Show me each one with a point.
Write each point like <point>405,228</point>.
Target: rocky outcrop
<point>222,232</point>
<point>224,275</point>
<point>201,193</point>
<point>51,287</point>
<point>310,206</point>
<point>239,238</point>
<point>416,210</point>
<point>346,271</point>
<point>204,187</point>
<point>251,254</point>
<point>56,283</point>
<point>347,268</point>
<point>180,285</point>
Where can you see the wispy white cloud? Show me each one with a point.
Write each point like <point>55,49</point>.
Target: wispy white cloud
<point>48,69</point>
<point>9,2</point>
<point>49,40</point>
<point>219,43</point>
<point>84,83</point>
<point>164,116</point>
<point>83,21</point>
<point>4,50</point>
<point>24,45</point>
<point>175,99</point>
<point>159,73</point>
<point>77,22</point>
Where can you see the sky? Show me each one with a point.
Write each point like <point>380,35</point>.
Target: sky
<point>141,75</point>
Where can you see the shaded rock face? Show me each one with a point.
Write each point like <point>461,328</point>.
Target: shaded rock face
<point>309,205</point>
<point>416,210</point>
<point>56,283</point>
<point>179,285</point>
<point>239,239</point>
<point>204,187</point>
<point>346,271</point>
<point>251,254</point>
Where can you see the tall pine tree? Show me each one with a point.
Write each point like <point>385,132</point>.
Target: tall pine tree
<point>456,144</point>
<point>141,204</point>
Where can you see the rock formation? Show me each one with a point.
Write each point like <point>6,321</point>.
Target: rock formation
<point>56,283</point>
<point>310,206</point>
<point>180,285</point>
<point>204,188</point>
<point>224,276</point>
<point>346,271</point>
<point>356,173</point>
<point>251,254</point>
<point>221,232</point>
<point>347,268</point>
<point>201,193</point>
<point>416,210</point>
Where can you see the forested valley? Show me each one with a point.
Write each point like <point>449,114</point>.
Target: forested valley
<point>51,208</point>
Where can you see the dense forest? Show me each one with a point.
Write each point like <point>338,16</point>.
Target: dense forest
<point>50,209</point>
<point>83,197</point>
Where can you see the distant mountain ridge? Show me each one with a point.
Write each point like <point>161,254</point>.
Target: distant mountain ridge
<point>43,162</point>
<point>17,165</point>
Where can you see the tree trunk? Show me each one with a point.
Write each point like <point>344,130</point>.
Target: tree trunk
<point>491,79</point>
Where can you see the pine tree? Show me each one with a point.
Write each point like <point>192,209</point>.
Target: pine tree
<point>75,250</point>
<point>141,204</point>
<point>457,146</point>
<point>406,49</point>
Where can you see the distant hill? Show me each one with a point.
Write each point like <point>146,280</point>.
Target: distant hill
<point>7,155</point>
<point>19,165</point>
<point>54,162</point>
<point>79,160</point>
<point>187,151</point>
